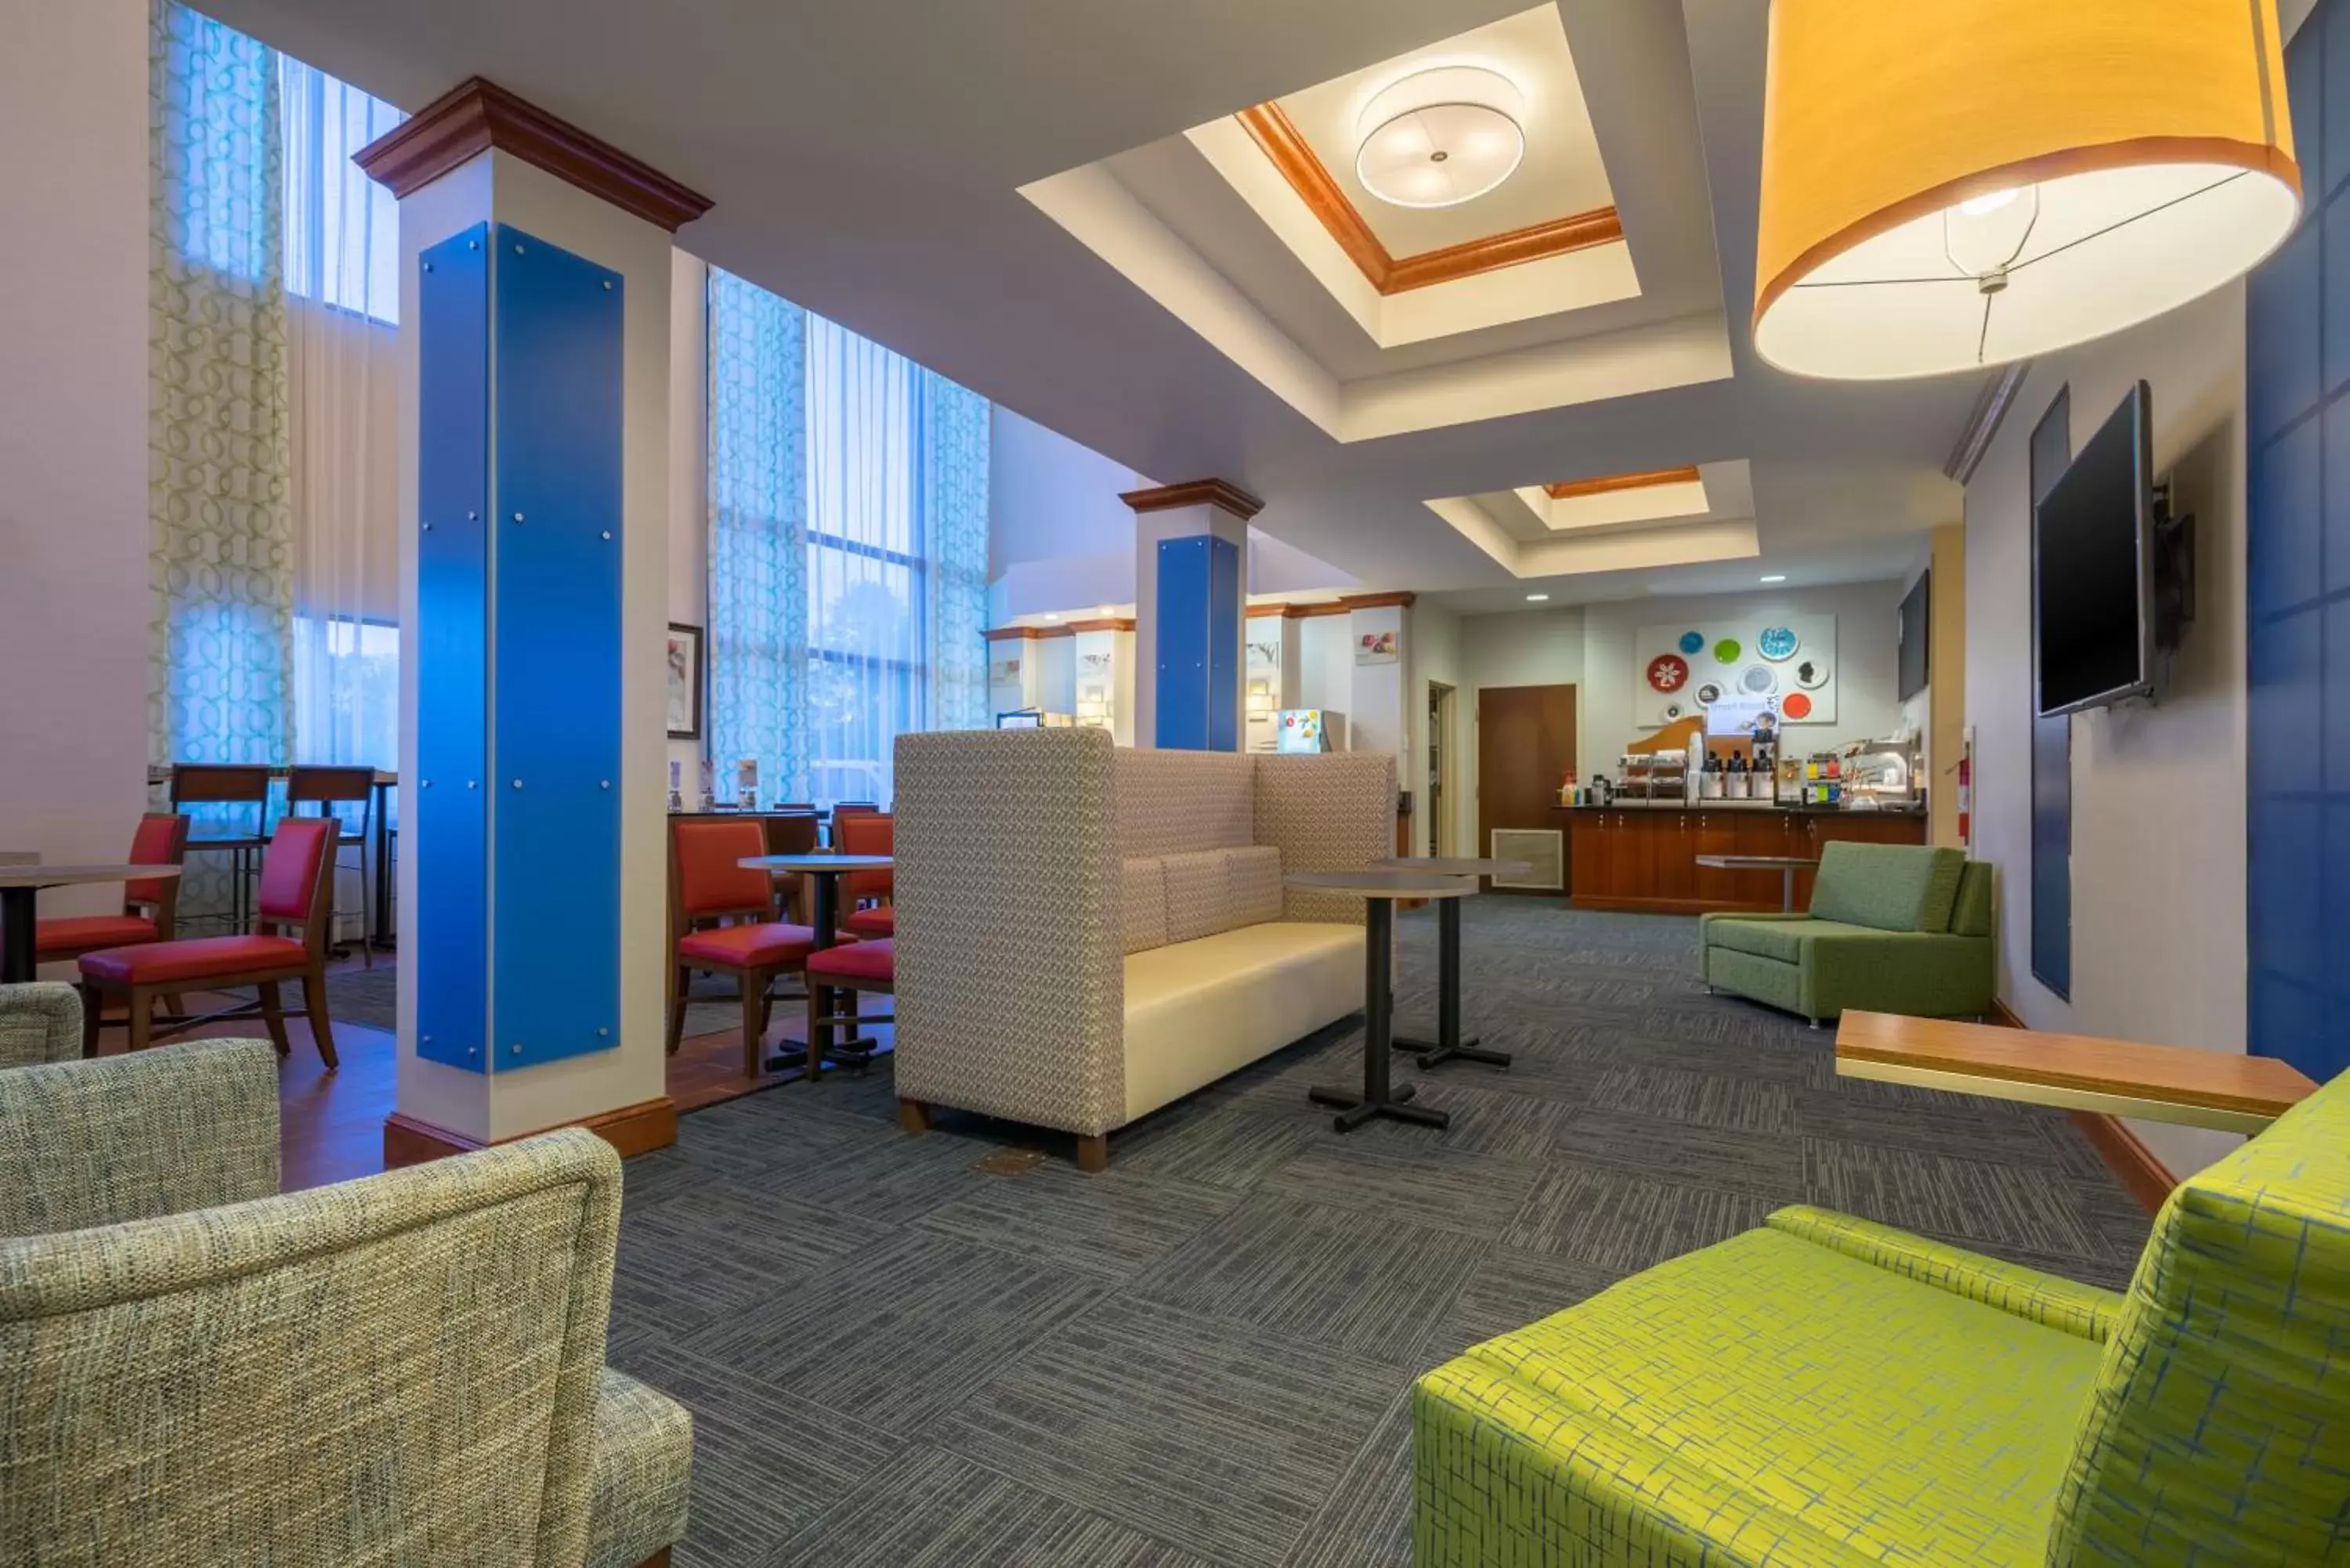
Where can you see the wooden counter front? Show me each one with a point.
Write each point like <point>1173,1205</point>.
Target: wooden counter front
<point>1644,857</point>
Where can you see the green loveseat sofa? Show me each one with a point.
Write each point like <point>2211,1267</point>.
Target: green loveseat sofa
<point>1827,1392</point>
<point>1893,928</point>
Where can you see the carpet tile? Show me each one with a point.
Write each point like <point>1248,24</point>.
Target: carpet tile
<point>913,1351</point>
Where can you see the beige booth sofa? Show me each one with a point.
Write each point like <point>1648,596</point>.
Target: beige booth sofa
<point>1086,934</point>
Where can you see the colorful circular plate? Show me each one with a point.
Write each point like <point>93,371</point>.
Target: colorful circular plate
<point>1668,672</point>
<point>1811,675</point>
<point>1709,694</point>
<point>1797,706</point>
<point>1691,642</point>
<point>1776,643</point>
<point>1759,680</point>
<point>1727,650</point>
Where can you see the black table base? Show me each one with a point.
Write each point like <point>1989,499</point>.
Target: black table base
<point>1448,1045</point>
<point>1379,1096</point>
<point>826,915</point>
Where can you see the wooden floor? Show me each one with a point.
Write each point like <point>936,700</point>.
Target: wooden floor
<point>331,1123</point>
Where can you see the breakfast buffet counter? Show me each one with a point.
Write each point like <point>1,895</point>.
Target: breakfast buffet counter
<point>1642,856</point>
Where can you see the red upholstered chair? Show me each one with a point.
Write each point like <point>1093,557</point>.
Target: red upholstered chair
<point>851,967</point>
<point>298,888</point>
<point>709,884</point>
<point>149,907</point>
<point>867,833</point>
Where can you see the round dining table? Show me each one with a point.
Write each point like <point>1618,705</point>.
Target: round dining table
<point>19,885</point>
<point>824,873</point>
<point>1448,1045</point>
<point>1380,890</point>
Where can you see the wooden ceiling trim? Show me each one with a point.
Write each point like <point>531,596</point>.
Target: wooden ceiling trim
<point>1610,484</point>
<point>1219,492</point>
<point>1278,136</point>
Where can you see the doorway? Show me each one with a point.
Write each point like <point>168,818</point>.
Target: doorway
<point>1525,748</point>
<point>1440,788</point>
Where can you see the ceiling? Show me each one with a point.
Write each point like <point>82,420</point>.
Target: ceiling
<point>869,161</point>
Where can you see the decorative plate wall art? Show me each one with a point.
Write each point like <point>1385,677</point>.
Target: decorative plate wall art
<point>1764,655</point>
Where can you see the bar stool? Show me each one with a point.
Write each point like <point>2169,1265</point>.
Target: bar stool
<point>227,785</point>
<point>328,788</point>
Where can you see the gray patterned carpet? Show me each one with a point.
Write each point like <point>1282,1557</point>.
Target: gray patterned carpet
<point>895,1359</point>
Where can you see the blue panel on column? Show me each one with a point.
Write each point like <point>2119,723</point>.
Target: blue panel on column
<point>555,592</point>
<point>1182,651</point>
<point>450,644</point>
<point>1224,645</point>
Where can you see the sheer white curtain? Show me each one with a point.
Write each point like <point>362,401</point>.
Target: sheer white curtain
<point>342,287</point>
<point>868,603</point>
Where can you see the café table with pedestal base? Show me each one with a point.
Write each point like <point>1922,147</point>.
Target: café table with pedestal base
<point>1785,864</point>
<point>1380,890</point>
<point>1448,1043</point>
<point>824,872</point>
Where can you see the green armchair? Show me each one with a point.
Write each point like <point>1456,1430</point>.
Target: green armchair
<point>1892,928</point>
<point>407,1369</point>
<point>1828,1393</point>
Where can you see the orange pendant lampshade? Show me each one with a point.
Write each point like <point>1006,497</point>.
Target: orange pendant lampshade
<point>1951,183</point>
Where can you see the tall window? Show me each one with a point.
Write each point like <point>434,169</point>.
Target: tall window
<point>848,549</point>
<point>342,229</point>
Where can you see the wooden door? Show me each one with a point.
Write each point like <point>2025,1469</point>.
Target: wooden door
<point>1525,744</point>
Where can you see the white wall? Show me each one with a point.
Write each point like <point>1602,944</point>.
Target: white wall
<point>1528,648</point>
<point>1326,664</point>
<point>1051,499</point>
<point>74,594</point>
<point>2159,859</point>
<point>688,477</point>
<point>1867,645</point>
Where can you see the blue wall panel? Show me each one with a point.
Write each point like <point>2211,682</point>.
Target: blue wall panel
<point>556,620</point>
<point>1198,631</point>
<point>451,647</point>
<point>2297,585</point>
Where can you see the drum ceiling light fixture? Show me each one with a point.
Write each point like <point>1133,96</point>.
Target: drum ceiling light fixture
<point>1438,138</point>
<point>1954,183</point>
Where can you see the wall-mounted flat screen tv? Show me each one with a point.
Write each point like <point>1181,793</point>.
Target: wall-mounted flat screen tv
<point>2093,569</point>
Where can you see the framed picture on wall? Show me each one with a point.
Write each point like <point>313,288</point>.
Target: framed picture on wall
<point>685,682</point>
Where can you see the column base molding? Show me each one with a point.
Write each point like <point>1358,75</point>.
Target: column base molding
<point>2133,1165</point>
<point>633,1129</point>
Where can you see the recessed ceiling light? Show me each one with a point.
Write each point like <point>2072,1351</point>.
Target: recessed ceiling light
<point>1438,138</point>
<point>1052,617</point>
<point>1102,610</point>
<point>1776,578</point>
<point>1536,598</point>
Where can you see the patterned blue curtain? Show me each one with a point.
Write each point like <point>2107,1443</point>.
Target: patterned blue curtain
<point>758,534</point>
<point>954,500</point>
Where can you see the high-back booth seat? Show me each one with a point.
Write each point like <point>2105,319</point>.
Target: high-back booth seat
<point>40,1021</point>
<point>402,1370</point>
<point>1833,1393</point>
<point>1086,934</point>
<point>1893,928</point>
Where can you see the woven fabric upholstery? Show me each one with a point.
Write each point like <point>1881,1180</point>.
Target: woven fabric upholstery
<point>1767,1400</point>
<point>401,1369</point>
<point>1142,884</point>
<point>40,1021</point>
<point>1010,986</point>
<point>1179,803</point>
<point>2077,1309</point>
<point>1888,887</point>
<point>2220,1431</point>
<point>165,1131</point>
<point>1330,813</point>
<point>1253,885</point>
<point>1970,914</point>
<point>1781,939</point>
<point>1199,895</point>
<point>643,1472</point>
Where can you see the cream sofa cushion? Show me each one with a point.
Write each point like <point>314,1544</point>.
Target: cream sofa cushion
<point>1198,1010</point>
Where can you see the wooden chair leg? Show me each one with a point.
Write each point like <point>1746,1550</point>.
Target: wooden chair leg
<point>754,1034</point>
<point>276,1017</point>
<point>1093,1152</point>
<point>314,1003</point>
<point>92,1001</point>
<point>913,1118</point>
<point>677,1009</point>
<point>142,1006</point>
<point>175,1004</point>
